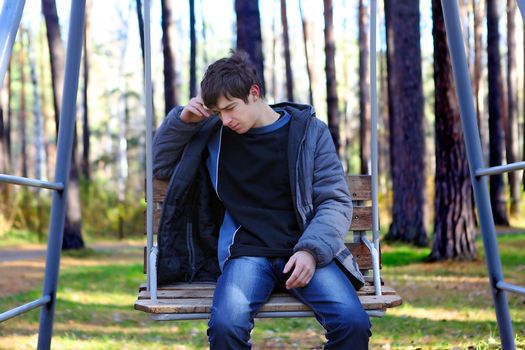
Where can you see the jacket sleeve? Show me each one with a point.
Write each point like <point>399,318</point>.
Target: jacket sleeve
<point>170,139</point>
<point>332,204</point>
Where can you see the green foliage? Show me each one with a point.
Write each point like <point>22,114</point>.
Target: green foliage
<point>103,211</point>
<point>25,214</point>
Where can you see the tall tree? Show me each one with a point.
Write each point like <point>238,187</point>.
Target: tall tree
<point>364,93</point>
<point>85,125</point>
<point>249,38</point>
<point>22,115</point>
<point>309,67</point>
<point>496,133</point>
<point>140,21</point>
<point>56,54</point>
<point>407,143</point>
<point>331,87</point>
<point>477,10</point>
<point>193,51</point>
<point>38,132</point>
<point>511,139</point>
<point>73,222</point>
<point>287,59</point>
<point>4,100</point>
<point>170,87</point>
<point>454,214</point>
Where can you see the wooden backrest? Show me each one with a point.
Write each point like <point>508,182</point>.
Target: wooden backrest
<point>360,187</point>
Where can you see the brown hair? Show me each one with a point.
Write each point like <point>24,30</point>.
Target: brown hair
<point>231,77</point>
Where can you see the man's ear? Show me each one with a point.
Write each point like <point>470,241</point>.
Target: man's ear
<point>255,91</point>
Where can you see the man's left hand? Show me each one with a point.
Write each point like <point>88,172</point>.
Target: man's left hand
<point>303,264</point>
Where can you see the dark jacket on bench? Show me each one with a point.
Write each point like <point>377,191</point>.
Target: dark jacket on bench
<point>192,213</point>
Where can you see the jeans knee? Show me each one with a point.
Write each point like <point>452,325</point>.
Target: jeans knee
<point>356,323</point>
<point>351,322</point>
<point>229,325</point>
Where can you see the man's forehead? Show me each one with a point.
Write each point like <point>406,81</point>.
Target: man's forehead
<point>223,102</point>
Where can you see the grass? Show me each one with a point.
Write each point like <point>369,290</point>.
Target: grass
<point>446,306</point>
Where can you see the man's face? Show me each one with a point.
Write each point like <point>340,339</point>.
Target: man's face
<point>236,114</point>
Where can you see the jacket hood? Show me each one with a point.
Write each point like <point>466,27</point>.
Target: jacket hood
<point>296,110</point>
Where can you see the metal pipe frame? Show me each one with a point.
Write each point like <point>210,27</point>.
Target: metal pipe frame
<point>373,146</point>
<point>10,18</point>
<point>24,181</point>
<point>475,159</point>
<point>153,270</point>
<point>510,287</point>
<point>19,310</point>
<point>149,140</point>
<point>65,145</point>
<point>277,314</point>
<point>500,169</point>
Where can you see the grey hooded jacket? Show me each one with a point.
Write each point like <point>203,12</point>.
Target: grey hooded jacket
<point>322,203</point>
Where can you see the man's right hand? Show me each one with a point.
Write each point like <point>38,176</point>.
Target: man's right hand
<point>195,111</point>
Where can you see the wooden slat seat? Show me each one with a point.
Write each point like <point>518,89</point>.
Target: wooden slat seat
<point>185,298</point>
<point>193,300</point>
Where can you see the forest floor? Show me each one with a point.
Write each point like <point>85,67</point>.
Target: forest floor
<point>446,305</point>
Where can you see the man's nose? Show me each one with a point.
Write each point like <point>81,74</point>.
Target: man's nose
<point>226,120</point>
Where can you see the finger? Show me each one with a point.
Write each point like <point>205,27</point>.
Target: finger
<point>289,264</point>
<point>302,279</point>
<point>200,107</point>
<point>291,282</point>
<point>194,110</point>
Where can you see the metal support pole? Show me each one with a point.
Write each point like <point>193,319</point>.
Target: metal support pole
<point>24,181</point>
<point>24,308</point>
<point>149,135</point>
<point>500,169</point>
<point>475,159</point>
<point>65,145</point>
<point>373,146</point>
<point>10,20</point>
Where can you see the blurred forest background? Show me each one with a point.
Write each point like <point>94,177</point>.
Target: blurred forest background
<point>308,51</point>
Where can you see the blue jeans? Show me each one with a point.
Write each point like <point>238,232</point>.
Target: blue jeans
<point>246,284</point>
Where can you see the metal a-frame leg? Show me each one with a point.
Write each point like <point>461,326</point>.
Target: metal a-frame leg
<point>475,159</point>
<point>65,143</point>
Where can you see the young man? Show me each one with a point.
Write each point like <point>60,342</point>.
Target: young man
<point>257,192</point>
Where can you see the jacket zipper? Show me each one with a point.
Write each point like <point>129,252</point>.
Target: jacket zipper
<point>297,186</point>
<point>191,249</point>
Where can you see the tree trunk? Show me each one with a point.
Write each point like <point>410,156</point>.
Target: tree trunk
<point>73,222</point>
<point>331,87</point>
<point>40,162</point>
<point>511,139</point>
<point>249,37</point>
<point>478,69</point>
<point>407,142</point>
<point>56,54</point>
<point>38,130</point>
<point>309,68</point>
<point>204,50</point>
<point>85,125</point>
<point>287,59</point>
<point>4,101</point>
<point>22,108</point>
<point>454,213</point>
<point>364,91</point>
<point>7,131</point>
<point>274,56</point>
<point>170,87</point>
<point>140,21</point>
<point>496,133</point>
<point>193,51</point>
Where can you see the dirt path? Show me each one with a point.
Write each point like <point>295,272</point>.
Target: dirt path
<point>22,268</point>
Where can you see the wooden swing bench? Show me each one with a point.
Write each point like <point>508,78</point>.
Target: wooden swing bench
<point>185,301</point>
